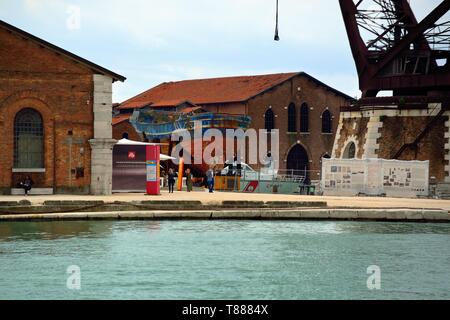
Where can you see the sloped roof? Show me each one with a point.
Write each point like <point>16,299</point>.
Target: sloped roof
<point>191,109</point>
<point>95,67</point>
<point>121,118</point>
<point>214,91</point>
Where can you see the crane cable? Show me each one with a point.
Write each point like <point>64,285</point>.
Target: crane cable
<point>277,38</point>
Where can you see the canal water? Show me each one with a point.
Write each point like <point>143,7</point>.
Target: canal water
<point>224,260</point>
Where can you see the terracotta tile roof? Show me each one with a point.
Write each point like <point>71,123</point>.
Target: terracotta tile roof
<point>52,47</point>
<point>207,91</point>
<point>120,118</point>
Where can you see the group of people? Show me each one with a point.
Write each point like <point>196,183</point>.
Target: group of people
<point>172,177</point>
<point>27,183</point>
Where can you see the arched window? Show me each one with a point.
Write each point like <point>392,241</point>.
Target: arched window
<point>327,122</point>
<point>269,120</point>
<point>304,118</point>
<point>350,151</point>
<point>28,140</point>
<point>292,118</point>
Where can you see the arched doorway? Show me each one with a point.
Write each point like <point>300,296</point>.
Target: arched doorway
<point>298,162</point>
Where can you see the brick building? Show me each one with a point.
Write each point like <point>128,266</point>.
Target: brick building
<point>55,117</point>
<point>305,110</point>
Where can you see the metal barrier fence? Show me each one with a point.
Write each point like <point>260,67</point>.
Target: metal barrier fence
<point>270,181</point>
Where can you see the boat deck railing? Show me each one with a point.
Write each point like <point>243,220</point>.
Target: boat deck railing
<point>300,177</point>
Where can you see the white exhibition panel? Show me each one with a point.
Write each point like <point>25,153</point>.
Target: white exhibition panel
<point>394,178</point>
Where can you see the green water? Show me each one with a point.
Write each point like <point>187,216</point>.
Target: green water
<point>224,260</point>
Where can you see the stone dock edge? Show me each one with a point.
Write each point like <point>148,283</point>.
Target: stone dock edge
<point>402,215</point>
<point>26,207</point>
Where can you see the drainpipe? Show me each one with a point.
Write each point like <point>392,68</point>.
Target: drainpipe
<point>54,155</point>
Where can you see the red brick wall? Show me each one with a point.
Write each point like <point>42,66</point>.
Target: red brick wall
<point>229,108</point>
<point>318,99</point>
<point>120,128</point>
<point>62,91</point>
<point>399,130</point>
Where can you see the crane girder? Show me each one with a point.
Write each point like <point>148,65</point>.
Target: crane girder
<point>401,53</point>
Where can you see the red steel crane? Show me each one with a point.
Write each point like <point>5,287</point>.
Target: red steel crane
<point>394,51</point>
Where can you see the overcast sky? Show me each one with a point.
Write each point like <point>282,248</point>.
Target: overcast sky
<point>152,41</point>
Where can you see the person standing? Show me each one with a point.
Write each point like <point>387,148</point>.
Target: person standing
<point>171,180</point>
<point>189,182</point>
<point>210,179</point>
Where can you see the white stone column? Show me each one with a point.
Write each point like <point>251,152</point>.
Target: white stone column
<point>337,137</point>
<point>102,144</point>
<point>101,166</point>
<point>373,134</point>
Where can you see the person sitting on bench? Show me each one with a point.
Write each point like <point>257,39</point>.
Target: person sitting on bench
<point>26,184</point>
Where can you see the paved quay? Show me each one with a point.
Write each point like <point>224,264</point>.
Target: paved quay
<point>217,197</point>
<point>221,205</point>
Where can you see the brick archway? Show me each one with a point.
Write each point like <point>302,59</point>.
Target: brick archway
<point>10,107</point>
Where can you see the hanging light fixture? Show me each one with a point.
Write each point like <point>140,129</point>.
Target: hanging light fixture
<point>277,38</point>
